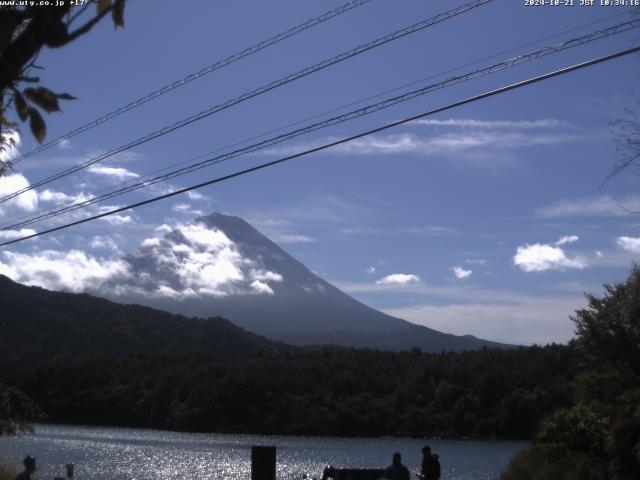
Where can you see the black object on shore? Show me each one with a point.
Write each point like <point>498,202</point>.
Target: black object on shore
<point>263,463</point>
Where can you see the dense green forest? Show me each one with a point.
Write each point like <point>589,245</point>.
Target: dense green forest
<point>486,393</point>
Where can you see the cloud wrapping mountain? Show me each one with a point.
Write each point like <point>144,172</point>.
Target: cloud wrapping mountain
<point>193,261</point>
<point>221,266</point>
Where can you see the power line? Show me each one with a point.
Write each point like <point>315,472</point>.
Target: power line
<point>263,89</point>
<point>468,100</point>
<point>148,181</point>
<point>312,22</point>
<point>327,112</point>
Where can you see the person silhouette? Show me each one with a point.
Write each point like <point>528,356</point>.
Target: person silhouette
<point>29,463</point>
<point>397,471</point>
<point>430,464</point>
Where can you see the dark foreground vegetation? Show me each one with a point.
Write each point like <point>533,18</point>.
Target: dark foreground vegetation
<point>488,393</point>
<point>580,403</point>
<point>597,436</point>
<point>40,325</point>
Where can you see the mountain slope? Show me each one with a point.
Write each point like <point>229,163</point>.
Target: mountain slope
<point>38,324</point>
<point>221,265</point>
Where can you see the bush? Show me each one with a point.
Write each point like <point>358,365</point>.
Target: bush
<point>6,472</point>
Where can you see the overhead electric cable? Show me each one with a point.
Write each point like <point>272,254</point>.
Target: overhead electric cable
<point>312,22</point>
<point>148,181</point>
<point>254,93</point>
<point>325,146</point>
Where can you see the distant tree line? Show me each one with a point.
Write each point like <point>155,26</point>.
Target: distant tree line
<point>484,394</point>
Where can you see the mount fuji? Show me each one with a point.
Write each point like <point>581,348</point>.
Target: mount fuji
<point>219,265</point>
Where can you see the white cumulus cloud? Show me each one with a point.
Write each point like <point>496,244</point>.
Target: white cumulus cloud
<point>13,234</point>
<point>398,279</point>
<point>105,242</point>
<point>196,261</point>
<point>630,244</point>
<point>27,201</point>
<point>54,196</point>
<point>261,287</point>
<point>164,228</point>
<point>190,261</point>
<point>10,141</point>
<point>73,271</point>
<point>540,257</point>
<point>461,273</point>
<point>195,195</point>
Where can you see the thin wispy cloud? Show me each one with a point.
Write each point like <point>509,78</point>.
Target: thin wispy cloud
<point>291,238</point>
<point>536,319</point>
<point>429,230</point>
<point>567,239</point>
<point>476,261</point>
<point>433,145</point>
<point>599,206</point>
<point>65,157</point>
<point>118,173</point>
<point>475,123</point>
<point>464,308</point>
<point>453,137</point>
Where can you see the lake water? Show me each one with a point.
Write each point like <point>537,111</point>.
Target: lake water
<point>101,453</point>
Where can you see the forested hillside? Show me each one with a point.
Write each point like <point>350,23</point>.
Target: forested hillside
<point>486,393</point>
<point>38,324</point>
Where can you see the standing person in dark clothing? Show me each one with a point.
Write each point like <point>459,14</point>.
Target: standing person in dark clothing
<point>29,467</point>
<point>397,471</point>
<point>430,464</point>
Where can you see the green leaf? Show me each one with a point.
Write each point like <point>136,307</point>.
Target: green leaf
<point>102,5</point>
<point>38,127</point>
<point>65,96</point>
<point>21,105</point>
<point>117,14</point>
<point>44,98</point>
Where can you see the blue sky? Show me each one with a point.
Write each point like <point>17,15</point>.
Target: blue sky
<point>489,219</point>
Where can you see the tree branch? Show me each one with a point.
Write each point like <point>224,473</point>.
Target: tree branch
<point>91,23</point>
